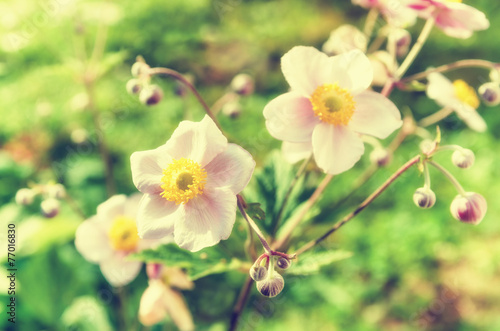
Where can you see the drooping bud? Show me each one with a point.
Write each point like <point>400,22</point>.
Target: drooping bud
<point>56,191</point>
<point>153,270</point>
<point>258,273</point>
<point>403,41</point>
<point>463,158</point>
<point>424,197</point>
<point>242,84</point>
<point>151,95</point>
<point>25,196</point>
<point>133,86</point>
<point>272,286</point>
<point>283,263</point>
<point>490,93</point>
<point>232,109</point>
<point>469,208</point>
<point>50,207</point>
<point>383,67</point>
<point>139,68</point>
<point>380,156</point>
<point>345,38</point>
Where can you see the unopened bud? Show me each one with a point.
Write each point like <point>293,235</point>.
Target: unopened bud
<point>139,68</point>
<point>403,41</point>
<point>383,67</point>
<point>424,197</point>
<point>50,207</point>
<point>345,38</point>
<point>283,263</point>
<point>153,270</point>
<point>490,93</point>
<point>469,208</point>
<point>232,109</point>
<point>25,196</point>
<point>258,273</point>
<point>463,158</point>
<point>56,191</point>
<point>133,86</point>
<point>151,95</point>
<point>380,156</point>
<point>272,286</point>
<point>242,84</point>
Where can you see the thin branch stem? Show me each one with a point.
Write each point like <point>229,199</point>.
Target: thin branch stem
<point>426,30</point>
<point>371,19</point>
<point>295,221</point>
<point>448,175</point>
<point>176,75</point>
<point>241,206</point>
<point>362,206</point>
<point>436,117</point>
<point>240,304</point>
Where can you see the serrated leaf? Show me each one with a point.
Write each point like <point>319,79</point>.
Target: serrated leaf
<point>198,264</point>
<point>254,211</point>
<point>311,263</point>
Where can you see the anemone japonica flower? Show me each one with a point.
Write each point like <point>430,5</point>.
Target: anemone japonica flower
<point>190,185</point>
<point>109,236</point>
<point>395,11</point>
<point>456,19</point>
<point>328,108</point>
<point>458,96</point>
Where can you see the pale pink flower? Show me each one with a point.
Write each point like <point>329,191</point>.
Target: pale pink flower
<point>456,19</point>
<point>328,108</point>
<point>458,96</point>
<point>190,185</point>
<point>110,236</point>
<point>395,12</point>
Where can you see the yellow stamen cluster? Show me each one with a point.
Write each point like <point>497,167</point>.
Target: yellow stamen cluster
<point>454,0</point>
<point>183,180</point>
<point>333,104</point>
<point>465,93</point>
<point>123,234</point>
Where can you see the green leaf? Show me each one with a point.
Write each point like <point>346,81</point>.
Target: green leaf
<point>199,264</point>
<point>86,314</point>
<point>311,263</point>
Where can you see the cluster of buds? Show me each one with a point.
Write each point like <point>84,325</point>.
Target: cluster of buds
<point>490,91</point>
<point>229,104</point>
<point>51,196</point>
<point>149,94</point>
<point>269,282</point>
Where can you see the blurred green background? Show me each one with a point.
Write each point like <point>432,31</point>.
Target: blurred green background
<point>410,269</point>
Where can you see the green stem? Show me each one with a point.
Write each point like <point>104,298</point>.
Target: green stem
<point>371,19</point>
<point>450,177</point>
<point>241,206</point>
<point>436,117</point>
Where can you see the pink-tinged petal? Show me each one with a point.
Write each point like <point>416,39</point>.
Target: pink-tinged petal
<point>132,205</point>
<point>294,152</point>
<point>176,307</point>
<point>440,89</point>
<point>358,67</point>
<point>147,167</point>
<point>460,20</point>
<point>336,148</point>
<point>209,218</point>
<point>290,117</point>
<point>375,115</point>
<point>470,116</point>
<point>110,209</point>
<point>118,271</point>
<point>232,168</point>
<point>91,240</point>
<point>151,309</point>
<point>156,217</point>
<point>198,141</point>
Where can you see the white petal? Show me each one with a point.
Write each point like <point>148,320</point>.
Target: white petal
<point>147,167</point>
<point>156,216</point>
<point>232,168</point>
<point>198,141</point>
<point>132,205</point>
<point>176,307</point>
<point>440,89</point>
<point>336,148</point>
<point>358,67</point>
<point>375,115</point>
<point>470,117</point>
<point>290,117</point>
<point>209,218</point>
<point>460,20</point>
<point>118,271</point>
<point>151,309</point>
<point>109,209</point>
<point>294,152</point>
<point>92,241</point>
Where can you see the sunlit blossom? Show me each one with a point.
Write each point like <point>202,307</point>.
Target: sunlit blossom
<point>395,11</point>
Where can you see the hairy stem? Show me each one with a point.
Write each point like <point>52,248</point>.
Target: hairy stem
<point>436,117</point>
<point>240,304</point>
<point>448,175</point>
<point>241,206</point>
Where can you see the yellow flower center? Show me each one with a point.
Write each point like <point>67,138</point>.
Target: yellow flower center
<point>183,180</point>
<point>333,104</point>
<point>454,0</point>
<point>465,93</point>
<point>123,234</point>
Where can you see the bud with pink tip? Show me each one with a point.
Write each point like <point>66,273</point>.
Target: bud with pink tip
<point>283,263</point>
<point>133,86</point>
<point>424,197</point>
<point>151,95</point>
<point>258,273</point>
<point>56,191</point>
<point>50,207</point>
<point>490,93</point>
<point>232,109</point>
<point>271,286</point>
<point>463,158</point>
<point>381,157</point>
<point>242,84</point>
<point>25,196</point>
<point>469,208</point>
<point>139,68</point>
<point>403,41</point>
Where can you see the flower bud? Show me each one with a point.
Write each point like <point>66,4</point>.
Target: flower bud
<point>345,38</point>
<point>151,95</point>
<point>424,197</point>
<point>380,156</point>
<point>258,273</point>
<point>25,196</point>
<point>469,208</point>
<point>272,286</point>
<point>50,207</point>
<point>283,263</point>
<point>242,84</point>
<point>490,93</point>
<point>153,270</point>
<point>133,86</point>
<point>403,41</point>
<point>463,158</point>
<point>56,191</point>
<point>383,67</point>
<point>139,68</point>
<point>232,109</point>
